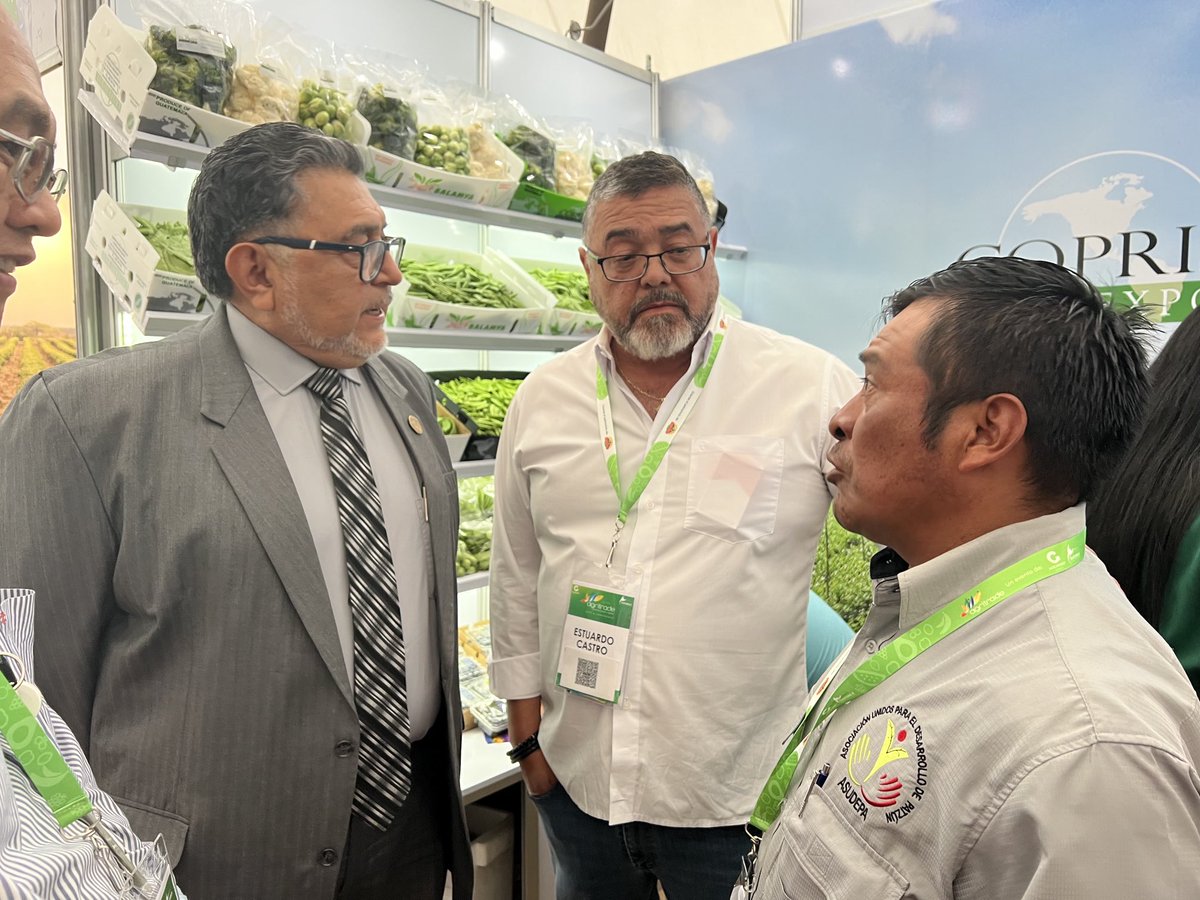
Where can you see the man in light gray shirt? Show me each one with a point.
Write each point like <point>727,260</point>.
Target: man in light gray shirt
<point>247,608</point>
<point>1005,725</point>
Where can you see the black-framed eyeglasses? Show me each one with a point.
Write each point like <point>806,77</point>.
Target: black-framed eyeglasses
<point>32,168</point>
<point>632,266</point>
<point>371,254</point>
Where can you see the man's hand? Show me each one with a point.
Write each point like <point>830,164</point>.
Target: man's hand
<point>539,777</point>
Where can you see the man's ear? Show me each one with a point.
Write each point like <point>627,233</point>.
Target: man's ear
<point>995,428</point>
<point>249,269</point>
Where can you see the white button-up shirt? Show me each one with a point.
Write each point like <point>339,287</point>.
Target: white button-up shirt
<point>722,541</point>
<point>1047,750</point>
<point>38,860</point>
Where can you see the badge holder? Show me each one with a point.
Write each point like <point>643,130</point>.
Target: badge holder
<point>595,641</point>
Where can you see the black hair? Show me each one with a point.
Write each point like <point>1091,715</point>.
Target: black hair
<point>1044,334</point>
<point>248,183</point>
<point>1142,511</point>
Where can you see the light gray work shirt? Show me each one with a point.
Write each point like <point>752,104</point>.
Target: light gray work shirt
<point>1046,750</point>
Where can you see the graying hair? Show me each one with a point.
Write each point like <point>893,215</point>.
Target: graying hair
<point>248,184</point>
<point>634,175</point>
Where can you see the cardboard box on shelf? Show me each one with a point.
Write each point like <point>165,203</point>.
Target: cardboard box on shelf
<point>127,262</point>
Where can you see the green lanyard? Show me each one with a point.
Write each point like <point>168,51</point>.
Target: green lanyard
<point>40,759</point>
<point>876,669</point>
<point>53,779</point>
<point>662,442</point>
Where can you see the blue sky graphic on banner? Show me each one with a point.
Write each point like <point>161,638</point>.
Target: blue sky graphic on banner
<point>855,162</point>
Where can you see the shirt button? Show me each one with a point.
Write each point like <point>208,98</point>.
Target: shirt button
<point>328,857</point>
<point>651,505</point>
<point>871,645</point>
<point>343,748</point>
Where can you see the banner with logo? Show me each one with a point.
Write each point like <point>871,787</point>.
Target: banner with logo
<point>855,162</point>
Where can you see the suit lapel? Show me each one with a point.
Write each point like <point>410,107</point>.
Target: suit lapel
<point>425,450</point>
<point>248,454</point>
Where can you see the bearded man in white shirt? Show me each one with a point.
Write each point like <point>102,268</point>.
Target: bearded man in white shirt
<point>1005,725</point>
<point>659,494</point>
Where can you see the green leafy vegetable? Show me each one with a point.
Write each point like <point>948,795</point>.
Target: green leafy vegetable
<point>199,72</point>
<point>537,151</point>
<point>393,122</point>
<point>170,241</point>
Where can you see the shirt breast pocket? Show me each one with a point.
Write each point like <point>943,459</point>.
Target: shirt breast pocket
<point>733,487</point>
<point>819,855</point>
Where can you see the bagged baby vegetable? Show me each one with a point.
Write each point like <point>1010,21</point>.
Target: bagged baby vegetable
<point>572,159</point>
<point>486,155</point>
<point>324,107</point>
<point>264,86</point>
<point>191,49</point>
<point>703,176</point>
<point>384,97</point>
<point>325,102</point>
<point>526,137</point>
<point>605,152</point>
<point>441,132</point>
<point>393,121</point>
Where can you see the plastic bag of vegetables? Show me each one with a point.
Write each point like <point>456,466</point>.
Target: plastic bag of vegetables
<point>572,157</point>
<point>526,137</point>
<point>384,88</point>
<point>264,85</point>
<point>487,158</point>
<point>700,171</point>
<point>442,141</point>
<point>191,48</point>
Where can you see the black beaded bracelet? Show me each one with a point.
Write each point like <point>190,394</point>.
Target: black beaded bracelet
<point>525,748</point>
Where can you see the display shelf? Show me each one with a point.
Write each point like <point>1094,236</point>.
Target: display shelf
<point>180,155</point>
<point>485,767</point>
<point>473,582</point>
<point>474,468</point>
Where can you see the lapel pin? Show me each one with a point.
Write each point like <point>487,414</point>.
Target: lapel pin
<point>415,424</point>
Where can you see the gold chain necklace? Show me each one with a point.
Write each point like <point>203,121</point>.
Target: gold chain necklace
<point>649,396</point>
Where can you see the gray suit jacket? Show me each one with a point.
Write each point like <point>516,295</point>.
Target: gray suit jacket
<point>183,627</point>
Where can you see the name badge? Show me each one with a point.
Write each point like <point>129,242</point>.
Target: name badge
<point>595,641</point>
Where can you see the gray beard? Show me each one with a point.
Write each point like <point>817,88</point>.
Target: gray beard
<point>660,337</point>
<point>347,345</point>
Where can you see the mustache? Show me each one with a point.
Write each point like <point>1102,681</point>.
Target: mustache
<point>658,297</point>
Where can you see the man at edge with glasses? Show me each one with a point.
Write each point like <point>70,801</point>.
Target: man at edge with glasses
<point>61,837</point>
<point>659,494</point>
<point>246,561</point>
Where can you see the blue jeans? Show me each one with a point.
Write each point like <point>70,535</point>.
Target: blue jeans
<point>597,861</point>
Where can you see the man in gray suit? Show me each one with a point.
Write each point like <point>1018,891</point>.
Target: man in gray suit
<point>209,540</point>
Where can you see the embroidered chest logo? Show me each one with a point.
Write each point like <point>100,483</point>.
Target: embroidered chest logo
<point>887,770</point>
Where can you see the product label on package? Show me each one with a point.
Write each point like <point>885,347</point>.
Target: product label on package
<point>194,40</point>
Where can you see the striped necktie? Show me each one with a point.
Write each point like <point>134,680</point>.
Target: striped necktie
<point>384,759</point>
